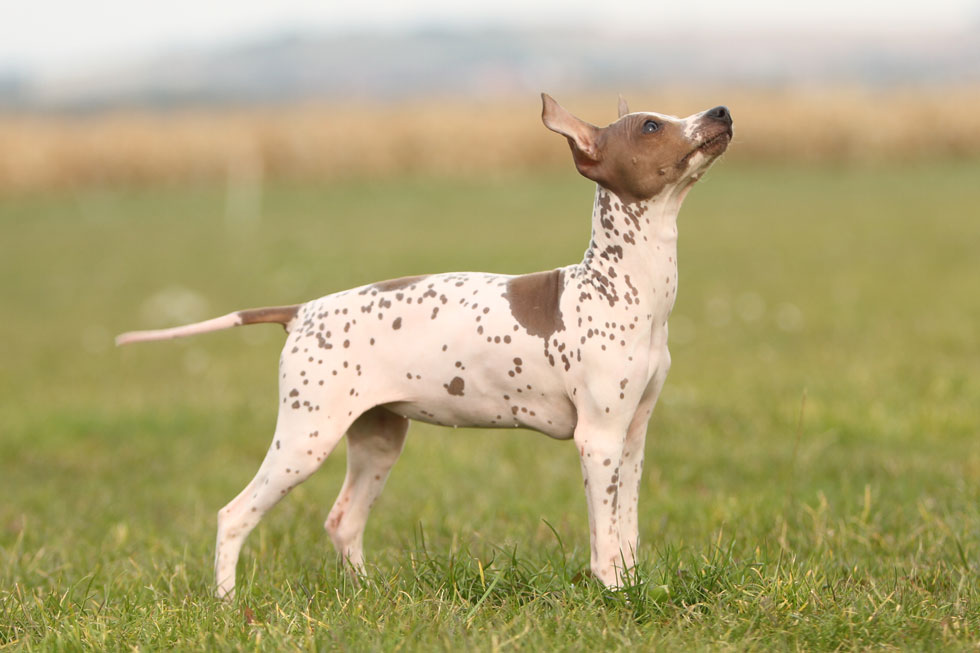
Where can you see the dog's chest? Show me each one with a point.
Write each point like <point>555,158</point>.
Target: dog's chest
<point>625,289</point>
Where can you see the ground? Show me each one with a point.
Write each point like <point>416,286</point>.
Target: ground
<point>813,470</point>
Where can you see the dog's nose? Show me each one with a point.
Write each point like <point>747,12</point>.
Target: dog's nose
<point>721,114</point>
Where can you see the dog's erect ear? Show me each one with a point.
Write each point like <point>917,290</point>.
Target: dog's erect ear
<point>581,135</point>
<point>623,107</point>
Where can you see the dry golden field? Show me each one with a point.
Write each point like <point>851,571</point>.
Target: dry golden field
<point>335,141</point>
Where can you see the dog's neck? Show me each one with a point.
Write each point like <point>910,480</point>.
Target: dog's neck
<point>638,239</point>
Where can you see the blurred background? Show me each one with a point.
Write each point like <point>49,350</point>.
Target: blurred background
<point>115,92</point>
<point>166,162</point>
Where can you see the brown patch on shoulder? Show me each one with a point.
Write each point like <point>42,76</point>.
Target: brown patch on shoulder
<point>535,302</point>
<point>398,284</point>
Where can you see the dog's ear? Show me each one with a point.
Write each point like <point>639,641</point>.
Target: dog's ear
<point>623,107</point>
<point>582,136</point>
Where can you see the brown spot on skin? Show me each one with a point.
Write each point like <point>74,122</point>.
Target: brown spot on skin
<point>535,302</point>
<point>397,324</point>
<point>455,387</point>
<point>276,314</point>
<point>398,284</point>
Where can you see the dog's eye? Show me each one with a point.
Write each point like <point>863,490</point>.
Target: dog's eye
<point>651,126</point>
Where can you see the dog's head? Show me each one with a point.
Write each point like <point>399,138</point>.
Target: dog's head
<point>641,154</point>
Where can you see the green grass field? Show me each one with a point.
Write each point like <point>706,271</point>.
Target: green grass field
<point>813,469</point>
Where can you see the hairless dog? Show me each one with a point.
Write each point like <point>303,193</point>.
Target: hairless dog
<point>579,352</point>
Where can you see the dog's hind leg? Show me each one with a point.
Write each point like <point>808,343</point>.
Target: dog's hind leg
<point>374,443</point>
<point>304,437</point>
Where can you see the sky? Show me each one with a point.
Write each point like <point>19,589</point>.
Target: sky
<point>52,36</point>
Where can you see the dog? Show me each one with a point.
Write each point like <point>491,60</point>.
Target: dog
<point>579,352</point>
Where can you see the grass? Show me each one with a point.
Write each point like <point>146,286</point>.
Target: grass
<point>813,468</point>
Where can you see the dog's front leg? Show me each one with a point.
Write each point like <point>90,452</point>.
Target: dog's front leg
<point>631,469</point>
<point>600,447</point>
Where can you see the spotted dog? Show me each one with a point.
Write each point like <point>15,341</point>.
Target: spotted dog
<point>578,353</point>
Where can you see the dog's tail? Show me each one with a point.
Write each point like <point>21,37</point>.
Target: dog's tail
<point>283,315</point>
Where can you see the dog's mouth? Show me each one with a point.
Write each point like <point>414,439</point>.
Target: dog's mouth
<point>716,144</point>
<point>712,146</point>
